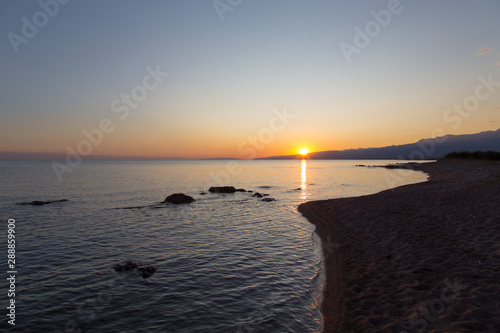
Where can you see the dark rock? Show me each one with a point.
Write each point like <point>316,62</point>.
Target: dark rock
<point>257,195</point>
<point>265,186</point>
<point>203,193</point>
<point>61,200</point>
<point>298,189</point>
<point>268,199</point>
<point>240,190</point>
<point>41,203</point>
<point>222,189</point>
<point>250,191</point>
<point>129,265</point>
<point>265,195</point>
<point>146,271</point>
<point>179,198</point>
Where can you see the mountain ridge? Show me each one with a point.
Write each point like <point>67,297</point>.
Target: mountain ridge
<point>431,148</point>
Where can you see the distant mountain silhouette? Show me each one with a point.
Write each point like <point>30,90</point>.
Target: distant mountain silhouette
<point>423,149</point>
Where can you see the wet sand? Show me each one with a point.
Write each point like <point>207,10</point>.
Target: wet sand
<point>418,258</point>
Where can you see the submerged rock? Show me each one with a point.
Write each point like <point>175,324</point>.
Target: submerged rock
<point>41,203</point>
<point>146,271</point>
<point>257,195</point>
<point>129,265</point>
<point>222,189</point>
<point>268,199</point>
<point>179,198</point>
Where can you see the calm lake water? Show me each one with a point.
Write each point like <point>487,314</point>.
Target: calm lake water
<point>226,263</point>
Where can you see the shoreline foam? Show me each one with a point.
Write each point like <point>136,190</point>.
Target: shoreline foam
<point>420,257</point>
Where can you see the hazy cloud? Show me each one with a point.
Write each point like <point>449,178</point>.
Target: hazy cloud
<point>497,63</point>
<point>482,51</point>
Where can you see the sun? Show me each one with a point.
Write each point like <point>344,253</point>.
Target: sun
<point>303,151</point>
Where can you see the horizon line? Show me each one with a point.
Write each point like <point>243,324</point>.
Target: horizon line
<point>4,155</point>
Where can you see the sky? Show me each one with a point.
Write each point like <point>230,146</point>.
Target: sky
<point>241,78</point>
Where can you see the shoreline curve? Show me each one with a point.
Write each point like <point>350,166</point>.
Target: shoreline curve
<point>419,257</point>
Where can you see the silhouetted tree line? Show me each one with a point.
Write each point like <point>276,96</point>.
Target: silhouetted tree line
<point>476,155</point>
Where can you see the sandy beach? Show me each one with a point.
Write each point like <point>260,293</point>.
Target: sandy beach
<point>417,258</point>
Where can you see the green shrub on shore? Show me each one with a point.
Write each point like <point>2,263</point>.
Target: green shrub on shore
<point>475,155</point>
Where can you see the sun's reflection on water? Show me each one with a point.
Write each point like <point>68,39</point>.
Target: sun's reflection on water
<point>303,181</point>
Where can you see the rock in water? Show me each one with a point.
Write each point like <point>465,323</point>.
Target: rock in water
<point>41,203</point>
<point>38,203</point>
<point>222,189</point>
<point>257,194</point>
<point>147,271</point>
<point>179,198</point>
<point>144,271</point>
<point>129,265</point>
<point>268,199</point>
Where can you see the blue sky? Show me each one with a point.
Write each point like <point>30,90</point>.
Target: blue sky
<point>226,77</point>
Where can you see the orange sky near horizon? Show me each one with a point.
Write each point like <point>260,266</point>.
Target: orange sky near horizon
<point>207,145</point>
